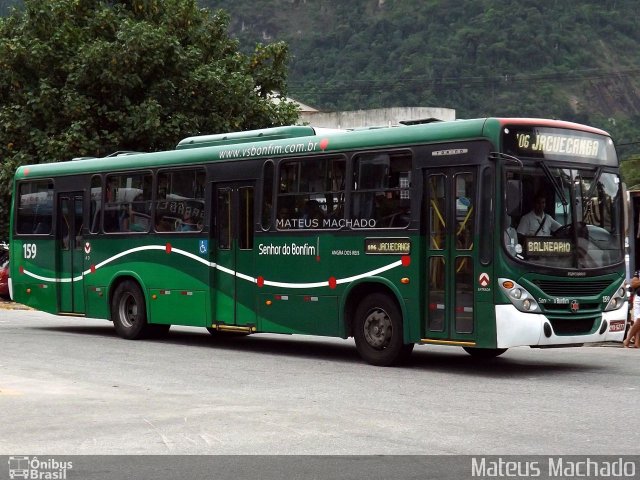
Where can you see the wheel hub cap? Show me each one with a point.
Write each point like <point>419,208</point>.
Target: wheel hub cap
<point>128,310</point>
<point>377,329</point>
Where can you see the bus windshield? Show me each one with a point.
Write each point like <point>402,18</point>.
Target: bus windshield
<point>571,218</point>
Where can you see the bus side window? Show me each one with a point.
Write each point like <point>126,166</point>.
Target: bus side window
<point>127,205</point>
<point>180,201</point>
<point>381,187</point>
<point>35,208</point>
<point>311,194</point>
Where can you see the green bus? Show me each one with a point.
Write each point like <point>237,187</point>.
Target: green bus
<point>394,236</point>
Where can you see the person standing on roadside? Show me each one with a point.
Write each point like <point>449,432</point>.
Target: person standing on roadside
<point>634,331</point>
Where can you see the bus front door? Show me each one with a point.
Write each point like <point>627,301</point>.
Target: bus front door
<point>232,231</point>
<point>451,256</point>
<point>70,252</point>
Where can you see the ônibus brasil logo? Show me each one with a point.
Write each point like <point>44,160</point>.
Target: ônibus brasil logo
<point>33,468</point>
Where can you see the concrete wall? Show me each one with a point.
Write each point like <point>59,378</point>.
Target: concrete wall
<point>380,117</point>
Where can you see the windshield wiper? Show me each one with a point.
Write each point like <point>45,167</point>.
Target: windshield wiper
<point>594,185</point>
<point>554,182</point>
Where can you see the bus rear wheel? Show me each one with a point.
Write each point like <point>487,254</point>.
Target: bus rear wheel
<point>129,312</point>
<point>378,331</point>
<point>484,353</point>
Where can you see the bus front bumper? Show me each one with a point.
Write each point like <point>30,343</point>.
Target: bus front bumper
<point>515,328</point>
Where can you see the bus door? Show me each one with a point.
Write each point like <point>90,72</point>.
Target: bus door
<point>232,231</point>
<point>451,257</point>
<point>70,252</point>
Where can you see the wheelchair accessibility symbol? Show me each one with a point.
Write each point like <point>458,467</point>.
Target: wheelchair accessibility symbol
<point>204,247</point>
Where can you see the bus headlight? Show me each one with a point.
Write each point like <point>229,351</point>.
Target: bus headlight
<point>617,300</point>
<point>519,296</point>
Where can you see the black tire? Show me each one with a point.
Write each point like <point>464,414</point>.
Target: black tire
<point>378,331</point>
<point>129,312</point>
<point>484,353</point>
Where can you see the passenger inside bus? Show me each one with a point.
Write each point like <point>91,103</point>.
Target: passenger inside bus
<point>313,211</point>
<point>187,224</point>
<point>511,239</point>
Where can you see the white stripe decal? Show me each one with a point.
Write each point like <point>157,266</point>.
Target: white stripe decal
<point>296,285</point>
<point>246,277</point>
<point>213,265</point>
<point>371,273</point>
<point>226,270</point>
<point>54,280</point>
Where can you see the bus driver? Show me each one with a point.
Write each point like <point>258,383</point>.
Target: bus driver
<point>537,223</point>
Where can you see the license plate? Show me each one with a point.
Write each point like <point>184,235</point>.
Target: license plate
<point>617,326</point>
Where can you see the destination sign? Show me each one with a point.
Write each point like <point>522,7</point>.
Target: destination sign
<point>556,143</point>
<point>560,144</point>
<point>397,246</point>
<point>547,247</point>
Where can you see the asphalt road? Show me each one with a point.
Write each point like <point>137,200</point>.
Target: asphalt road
<point>71,386</point>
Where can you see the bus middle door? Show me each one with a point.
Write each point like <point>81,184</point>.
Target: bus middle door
<point>70,252</point>
<point>451,256</point>
<point>232,279</point>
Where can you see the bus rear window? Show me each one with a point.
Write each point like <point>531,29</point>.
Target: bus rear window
<point>35,208</point>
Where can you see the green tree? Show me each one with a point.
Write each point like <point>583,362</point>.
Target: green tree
<point>630,170</point>
<point>87,78</point>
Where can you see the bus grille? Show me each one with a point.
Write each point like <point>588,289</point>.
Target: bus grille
<point>579,289</point>
<point>566,307</point>
<point>572,326</point>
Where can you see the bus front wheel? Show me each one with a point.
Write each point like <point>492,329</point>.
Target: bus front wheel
<point>378,331</point>
<point>129,312</point>
<point>484,353</point>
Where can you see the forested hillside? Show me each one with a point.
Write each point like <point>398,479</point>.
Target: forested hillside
<point>576,61</point>
<point>5,6</point>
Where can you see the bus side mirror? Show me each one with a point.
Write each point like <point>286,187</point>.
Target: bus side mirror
<point>514,198</point>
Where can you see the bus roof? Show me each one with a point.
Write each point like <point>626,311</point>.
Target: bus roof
<point>265,134</point>
<point>545,122</point>
<point>290,141</point>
